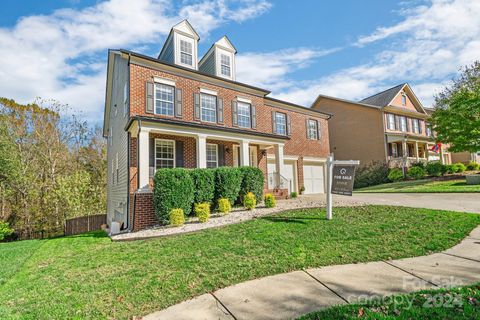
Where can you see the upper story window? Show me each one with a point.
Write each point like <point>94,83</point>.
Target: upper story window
<point>208,106</point>
<point>281,123</point>
<point>244,114</point>
<point>164,153</point>
<point>415,126</point>
<point>390,121</point>
<point>402,123</point>
<point>225,65</point>
<point>186,52</point>
<point>212,155</point>
<point>428,130</point>
<point>164,97</point>
<point>312,130</point>
<point>404,99</point>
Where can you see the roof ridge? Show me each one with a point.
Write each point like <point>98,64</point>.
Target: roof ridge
<point>378,93</point>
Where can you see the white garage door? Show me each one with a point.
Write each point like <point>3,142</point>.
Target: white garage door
<point>313,178</point>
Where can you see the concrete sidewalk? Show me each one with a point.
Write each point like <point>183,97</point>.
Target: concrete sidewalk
<point>289,295</point>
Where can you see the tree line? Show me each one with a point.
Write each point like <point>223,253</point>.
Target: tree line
<point>52,168</point>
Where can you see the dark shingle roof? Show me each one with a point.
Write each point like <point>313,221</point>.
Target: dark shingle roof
<point>383,98</point>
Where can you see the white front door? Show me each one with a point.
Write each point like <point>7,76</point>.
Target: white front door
<point>313,178</point>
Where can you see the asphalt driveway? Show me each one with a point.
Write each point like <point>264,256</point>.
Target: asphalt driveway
<point>464,202</point>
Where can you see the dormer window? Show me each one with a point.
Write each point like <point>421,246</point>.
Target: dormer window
<point>225,65</point>
<point>186,52</point>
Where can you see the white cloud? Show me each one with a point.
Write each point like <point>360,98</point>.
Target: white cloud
<point>426,49</point>
<point>62,55</point>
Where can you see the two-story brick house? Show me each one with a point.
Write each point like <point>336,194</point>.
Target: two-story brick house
<point>390,126</point>
<point>177,110</point>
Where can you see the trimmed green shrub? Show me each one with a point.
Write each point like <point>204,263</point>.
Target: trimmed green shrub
<point>435,169</point>
<point>472,166</point>
<point>177,217</point>
<point>249,201</point>
<point>227,183</point>
<point>395,175</point>
<point>293,195</point>
<point>416,173</point>
<point>204,185</point>
<point>371,175</point>
<point>5,230</point>
<point>460,167</point>
<point>173,189</point>
<point>270,200</point>
<point>252,181</point>
<point>224,206</point>
<point>202,211</point>
<point>450,168</point>
<point>420,164</point>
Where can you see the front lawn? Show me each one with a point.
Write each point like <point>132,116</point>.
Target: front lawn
<point>88,276</point>
<point>455,303</point>
<point>422,186</point>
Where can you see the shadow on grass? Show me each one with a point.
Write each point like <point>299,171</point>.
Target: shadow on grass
<point>91,234</point>
<point>300,220</point>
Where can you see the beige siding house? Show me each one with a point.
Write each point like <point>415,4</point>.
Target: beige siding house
<point>390,126</point>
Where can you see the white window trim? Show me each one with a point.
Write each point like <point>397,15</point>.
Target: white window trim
<point>255,156</point>
<point>236,153</point>
<point>216,152</point>
<point>174,153</point>
<point>168,82</point>
<point>229,66</point>
<point>315,135</point>
<point>208,91</point>
<point>178,54</point>
<point>249,115</point>
<point>244,100</point>
<point>404,96</point>
<point>155,100</point>
<point>276,123</point>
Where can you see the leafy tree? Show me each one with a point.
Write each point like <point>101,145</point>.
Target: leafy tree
<point>456,119</point>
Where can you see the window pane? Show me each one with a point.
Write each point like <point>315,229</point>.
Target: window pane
<point>164,154</point>
<point>225,70</point>
<point>281,123</point>
<point>312,129</point>
<point>225,65</point>
<point>164,99</point>
<point>244,116</point>
<point>186,51</point>
<point>209,108</point>
<point>212,156</point>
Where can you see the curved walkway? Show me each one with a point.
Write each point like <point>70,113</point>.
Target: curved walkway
<point>289,295</point>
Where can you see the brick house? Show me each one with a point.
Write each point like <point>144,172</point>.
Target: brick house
<point>177,110</point>
<point>390,126</point>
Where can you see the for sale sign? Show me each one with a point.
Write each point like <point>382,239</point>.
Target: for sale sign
<point>343,178</point>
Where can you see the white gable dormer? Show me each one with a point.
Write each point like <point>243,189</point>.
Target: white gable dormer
<point>220,59</point>
<point>181,47</point>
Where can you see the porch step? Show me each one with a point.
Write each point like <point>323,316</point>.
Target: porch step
<point>279,194</point>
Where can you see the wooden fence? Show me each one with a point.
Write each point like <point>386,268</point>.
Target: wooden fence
<point>84,224</point>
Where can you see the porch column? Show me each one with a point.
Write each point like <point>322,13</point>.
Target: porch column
<point>279,161</point>
<point>201,151</point>
<point>416,150</point>
<point>244,153</point>
<point>404,156</point>
<point>143,159</point>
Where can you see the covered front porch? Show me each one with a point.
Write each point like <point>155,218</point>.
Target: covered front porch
<point>403,151</point>
<point>160,145</point>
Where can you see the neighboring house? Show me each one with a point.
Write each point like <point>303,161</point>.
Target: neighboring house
<point>390,126</point>
<point>181,111</point>
<point>465,157</point>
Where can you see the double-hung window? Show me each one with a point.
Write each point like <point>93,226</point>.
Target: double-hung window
<point>281,123</point>
<point>208,105</point>
<point>390,121</point>
<point>164,154</point>
<point>244,115</point>
<point>312,129</point>
<point>225,65</point>
<point>415,126</point>
<point>212,155</point>
<point>428,130</point>
<point>186,52</point>
<point>403,123</point>
<point>404,100</point>
<point>164,97</point>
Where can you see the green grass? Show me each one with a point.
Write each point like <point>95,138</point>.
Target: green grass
<point>455,303</point>
<point>88,276</point>
<point>422,186</point>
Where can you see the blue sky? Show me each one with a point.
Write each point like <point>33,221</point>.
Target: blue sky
<point>349,49</point>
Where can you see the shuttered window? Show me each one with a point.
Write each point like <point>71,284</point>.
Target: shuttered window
<point>164,154</point>
<point>164,97</point>
<point>312,129</point>
<point>244,115</point>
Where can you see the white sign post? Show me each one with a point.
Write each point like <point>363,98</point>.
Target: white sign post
<point>344,177</point>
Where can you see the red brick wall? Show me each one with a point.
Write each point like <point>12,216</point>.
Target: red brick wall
<point>143,215</point>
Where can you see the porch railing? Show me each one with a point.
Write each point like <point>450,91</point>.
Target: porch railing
<point>277,181</point>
